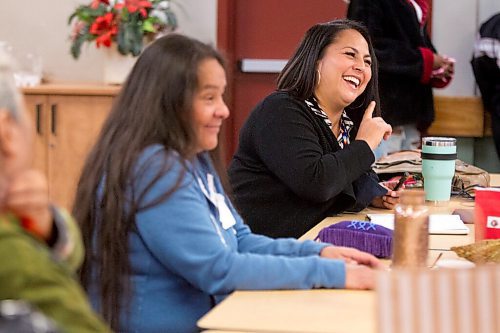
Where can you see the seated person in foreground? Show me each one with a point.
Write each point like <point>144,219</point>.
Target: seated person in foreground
<point>165,242</point>
<point>305,151</point>
<point>40,245</point>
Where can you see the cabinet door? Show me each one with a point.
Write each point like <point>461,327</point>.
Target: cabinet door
<point>75,122</point>
<point>38,110</point>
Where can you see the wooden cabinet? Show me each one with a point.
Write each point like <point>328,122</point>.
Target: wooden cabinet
<point>67,120</point>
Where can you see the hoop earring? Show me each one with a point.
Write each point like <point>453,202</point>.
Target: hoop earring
<point>319,77</point>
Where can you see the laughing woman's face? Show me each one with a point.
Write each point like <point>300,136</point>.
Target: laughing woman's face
<point>345,70</point>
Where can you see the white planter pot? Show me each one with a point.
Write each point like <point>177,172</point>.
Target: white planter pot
<point>117,66</point>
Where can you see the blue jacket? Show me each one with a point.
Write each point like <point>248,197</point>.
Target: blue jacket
<point>185,250</point>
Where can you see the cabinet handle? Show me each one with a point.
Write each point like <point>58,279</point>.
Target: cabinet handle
<point>262,65</point>
<point>53,116</point>
<point>38,115</point>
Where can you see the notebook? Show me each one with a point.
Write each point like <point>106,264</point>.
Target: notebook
<point>439,224</point>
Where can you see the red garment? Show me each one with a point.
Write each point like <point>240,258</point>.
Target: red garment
<point>428,57</point>
<point>424,6</point>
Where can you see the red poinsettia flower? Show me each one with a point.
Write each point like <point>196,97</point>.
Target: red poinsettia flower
<point>96,3</point>
<point>135,5</point>
<point>103,21</point>
<point>105,28</point>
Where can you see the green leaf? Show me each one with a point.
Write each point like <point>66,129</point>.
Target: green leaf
<point>72,16</point>
<point>148,26</point>
<point>76,46</point>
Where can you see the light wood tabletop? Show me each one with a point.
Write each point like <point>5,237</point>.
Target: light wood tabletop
<point>294,311</point>
<point>436,242</point>
<point>320,310</point>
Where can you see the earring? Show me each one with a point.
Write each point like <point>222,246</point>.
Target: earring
<point>319,77</point>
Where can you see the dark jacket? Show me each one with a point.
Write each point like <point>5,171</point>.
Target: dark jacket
<point>486,66</point>
<point>289,172</point>
<point>486,63</point>
<point>405,55</point>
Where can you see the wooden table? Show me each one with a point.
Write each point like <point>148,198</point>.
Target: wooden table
<point>320,310</point>
<point>436,242</point>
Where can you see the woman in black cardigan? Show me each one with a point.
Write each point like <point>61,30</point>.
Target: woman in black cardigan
<point>409,66</point>
<point>301,158</point>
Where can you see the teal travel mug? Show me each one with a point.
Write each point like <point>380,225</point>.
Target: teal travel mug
<point>438,167</point>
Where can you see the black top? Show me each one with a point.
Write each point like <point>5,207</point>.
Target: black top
<point>486,66</point>
<point>397,37</point>
<point>289,172</point>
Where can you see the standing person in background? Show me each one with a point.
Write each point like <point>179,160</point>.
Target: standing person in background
<point>40,245</point>
<point>409,67</point>
<point>486,66</point>
<point>164,240</point>
<point>306,150</point>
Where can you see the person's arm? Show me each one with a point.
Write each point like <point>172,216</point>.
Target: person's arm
<point>67,244</point>
<point>259,244</point>
<point>487,74</point>
<point>248,242</point>
<point>287,143</point>
<point>438,69</point>
<point>28,272</point>
<point>27,198</point>
<point>182,236</point>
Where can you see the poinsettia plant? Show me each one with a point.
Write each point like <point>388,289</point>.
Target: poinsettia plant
<point>126,23</point>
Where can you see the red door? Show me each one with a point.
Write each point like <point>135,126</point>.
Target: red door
<point>252,32</point>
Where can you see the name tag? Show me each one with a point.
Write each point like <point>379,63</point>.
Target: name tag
<point>225,215</point>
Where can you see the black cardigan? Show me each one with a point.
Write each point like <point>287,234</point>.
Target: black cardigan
<point>289,172</point>
<point>397,37</point>
<point>486,66</point>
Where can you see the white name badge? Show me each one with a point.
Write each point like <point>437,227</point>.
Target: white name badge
<point>226,217</point>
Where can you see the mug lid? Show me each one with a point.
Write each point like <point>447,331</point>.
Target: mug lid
<point>439,141</point>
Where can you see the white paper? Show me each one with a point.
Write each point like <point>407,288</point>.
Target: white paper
<point>438,223</point>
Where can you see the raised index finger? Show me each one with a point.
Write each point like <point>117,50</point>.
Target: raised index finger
<point>369,110</point>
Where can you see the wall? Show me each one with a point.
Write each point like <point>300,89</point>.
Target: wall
<point>41,27</point>
<point>454,27</point>
<point>455,24</point>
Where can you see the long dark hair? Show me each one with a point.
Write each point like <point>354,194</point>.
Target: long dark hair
<point>299,76</point>
<point>153,107</point>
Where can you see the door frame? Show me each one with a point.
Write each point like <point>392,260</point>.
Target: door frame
<point>226,45</point>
